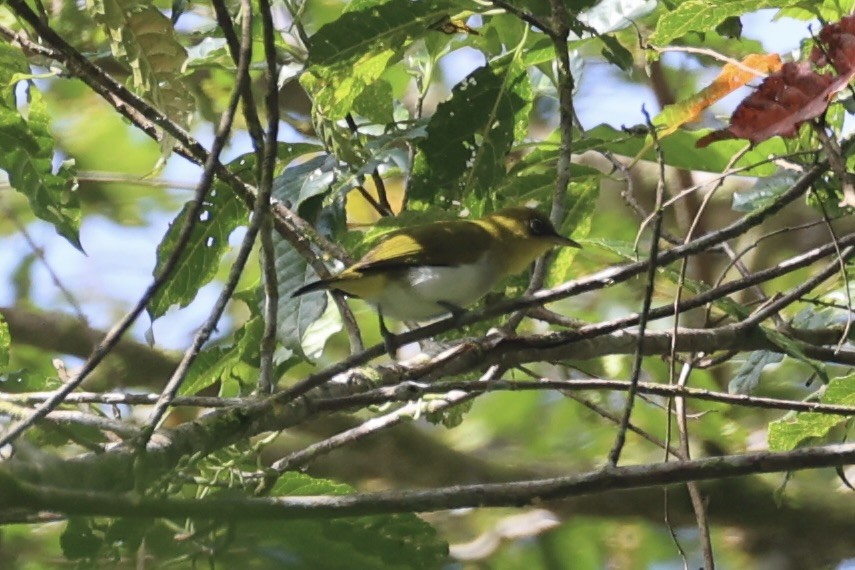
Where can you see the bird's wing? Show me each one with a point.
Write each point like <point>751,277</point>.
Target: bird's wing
<point>447,244</point>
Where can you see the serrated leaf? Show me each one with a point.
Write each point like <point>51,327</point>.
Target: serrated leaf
<point>747,378</point>
<point>237,363</point>
<point>399,541</point>
<point>470,134</point>
<point>26,154</point>
<point>705,15</point>
<point>144,39</point>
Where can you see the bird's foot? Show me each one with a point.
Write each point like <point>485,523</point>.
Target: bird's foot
<point>456,312</point>
<point>390,343</point>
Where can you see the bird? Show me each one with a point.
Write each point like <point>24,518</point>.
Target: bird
<point>423,272</point>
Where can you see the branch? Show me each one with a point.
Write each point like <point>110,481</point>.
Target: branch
<point>20,494</point>
<point>409,391</point>
<point>60,333</point>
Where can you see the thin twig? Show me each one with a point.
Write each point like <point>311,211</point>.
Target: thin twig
<point>304,456</point>
<point>120,398</point>
<point>844,275</point>
<point>381,205</point>
<point>698,503</point>
<point>266,381</point>
<point>523,15</point>
<point>223,130</point>
<point>615,452</point>
<point>115,334</point>
<point>412,390</point>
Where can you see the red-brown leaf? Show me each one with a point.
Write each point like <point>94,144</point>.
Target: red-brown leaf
<point>795,94</point>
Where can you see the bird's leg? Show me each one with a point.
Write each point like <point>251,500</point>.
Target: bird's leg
<point>456,312</point>
<point>389,340</point>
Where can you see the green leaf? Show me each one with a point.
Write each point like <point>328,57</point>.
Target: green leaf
<point>26,153</point>
<point>764,192</point>
<point>334,92</point>
<point>747,378</point>
<point>795,429</point>
<point>350,53</point>
<point>305,180</point>
<point>316,335</point>
<point>704,15</point>
<point>612,15</point>
<point>470,135</point>
<point>375,102</point>
<point>5,345</point>
<point>581,201</point>
<point>679,150</point>
<point>372,27</point>
<point>79,540</point>
<point>238,362</point>
<point>222,212</point>
<point>399,541</point>
<point>296,314</point>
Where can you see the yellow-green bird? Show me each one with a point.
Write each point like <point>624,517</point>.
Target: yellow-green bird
<point>423,272</point>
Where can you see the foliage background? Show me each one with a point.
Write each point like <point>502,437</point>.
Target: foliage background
<point>446,144</point>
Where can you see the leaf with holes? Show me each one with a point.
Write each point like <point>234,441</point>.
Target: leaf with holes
<point>221,213</point>
<point>350,53</point>
<point>470,135</point>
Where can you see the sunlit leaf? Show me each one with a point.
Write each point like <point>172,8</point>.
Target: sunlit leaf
<point>26,154</point>
<point>792,431</point>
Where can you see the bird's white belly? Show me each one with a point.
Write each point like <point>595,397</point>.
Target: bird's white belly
<point>426,292</point>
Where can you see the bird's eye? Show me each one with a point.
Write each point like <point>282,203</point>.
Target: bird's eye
<point>538,227</point>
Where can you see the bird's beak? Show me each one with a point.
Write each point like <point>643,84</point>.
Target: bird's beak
<point>562,241</point>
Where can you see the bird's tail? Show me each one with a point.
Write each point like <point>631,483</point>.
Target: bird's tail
<point>319,285</point>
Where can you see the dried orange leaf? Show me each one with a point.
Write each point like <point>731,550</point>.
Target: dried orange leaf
<point>732,77</point>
